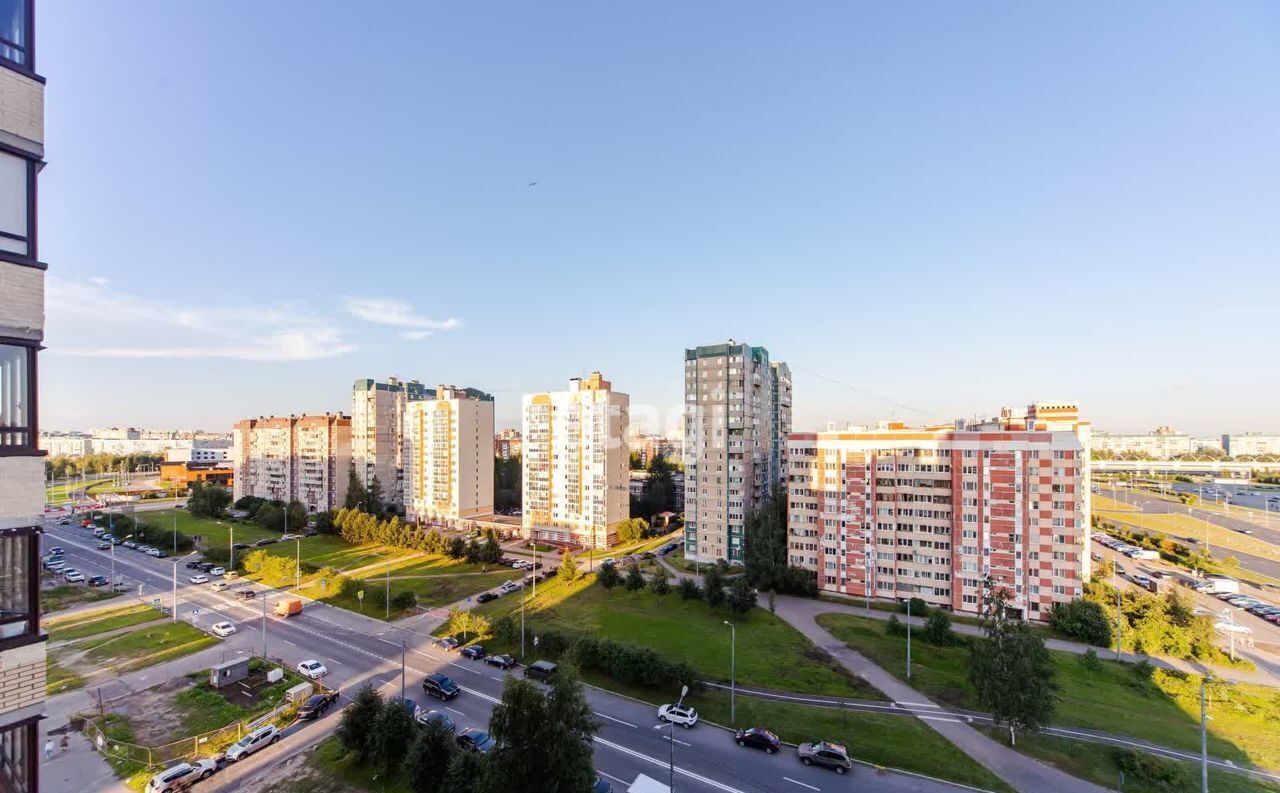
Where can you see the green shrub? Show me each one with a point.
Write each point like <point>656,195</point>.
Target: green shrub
<point>1158,773</point>
<point>1090,661</point>
<point>1083,620</point>
<point>937,629</point>
<point>895,626</point>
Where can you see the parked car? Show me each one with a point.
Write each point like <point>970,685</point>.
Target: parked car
<point>98,580</point>
<point>683,715</point>
<point>758,738</point>
<point>159,554</point>
<point>64,522</point>
<point>500,661</point>
<point>55,566</point>
<point>72,575</point>
<point>206,566</point>
<point>181,776</point>
<point>311,533</point>
<point>154,552</point>
<point>601,786</point>
<point>448,643</point>
<point>287,537</point>
<point>508,587</point>
<point>485,597</point>
<point>129,544</point>
<point>541,670</point>
<point>266,541</point>
<point>474,740</point>
<point>114,540</point>
<point>258,739</point>
<point>102,546</point>
<point>827,755</point>
<point>230,575</point>
<point>475,652</point>
<point>425,717</point>
<point>217,571</point>
<point>313,669</point>
<point>245,594</point>
<point>220,586</point>
<point>57,550</point>
<point>223,628</point>
<point>440,686</point>
<point>316,705</point>
<point>241,546</point>
<point>199,579</point>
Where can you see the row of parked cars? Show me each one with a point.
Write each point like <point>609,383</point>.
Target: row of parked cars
<point>1120,546</point>
<point>1252,605</point>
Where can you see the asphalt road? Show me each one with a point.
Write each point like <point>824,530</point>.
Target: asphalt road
<point>630,742</point>
<point>1159,506</point>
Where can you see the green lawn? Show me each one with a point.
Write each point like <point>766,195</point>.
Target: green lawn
<point>334,765</point>
<point>1100,765</point>
<point>770,653</point>
<point>128,652</point>
<point>59,679</point>
<point>883,739</point>
<point>67,595</point>
<point>78,626</point>
<point>1164,711</point>
<point>60,493</point>
<point>431,591</point>
<point>203,709</point>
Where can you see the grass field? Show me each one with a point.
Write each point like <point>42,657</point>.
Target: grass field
<point>1112,699</point>
<point>1100,765</point>
<point>91,623</point>
<point>60,493</point>
<point>127,652</point>
<point>67,595</point>
<point>770,653</point>
<point>59,679</point>
<point>430,582</point>
<point>203,709</point>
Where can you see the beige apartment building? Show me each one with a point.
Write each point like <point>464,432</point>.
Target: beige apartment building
<point>507,444</point>
<point>448,456</point>
<point>575,463</point>
<point>737,415</point>
<point>897,512</point>
<point>22,645</point>
<point>377,432</point>
<point>294,458</point>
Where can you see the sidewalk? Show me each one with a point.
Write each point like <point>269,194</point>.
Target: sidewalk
<point>1022,773</point>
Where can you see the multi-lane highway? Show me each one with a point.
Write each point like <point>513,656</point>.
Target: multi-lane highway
<point>357,650</point>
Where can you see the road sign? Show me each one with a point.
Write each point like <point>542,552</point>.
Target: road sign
<point>360,594</point>
<point>535,641</point>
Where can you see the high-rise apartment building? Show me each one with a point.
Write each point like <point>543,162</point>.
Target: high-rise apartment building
<point>930,512</point>
<point>294,458</point>
<point>1251,444</point>
<point>575,463</point>
<point>448,455</point>
<point>737,415</point>
<point>507,444</point>
<point>377,432</point>
<point>22,648</point>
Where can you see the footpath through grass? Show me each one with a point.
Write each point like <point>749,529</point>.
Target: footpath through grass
<point>1164,710</point>
<point>90,623</point>
<point>65,596</point>
<point>80,661</point>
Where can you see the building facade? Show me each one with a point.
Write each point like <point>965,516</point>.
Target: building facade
<point>295,458</point>
<point>448,463</point>
<point>930,512</point>
<point>186,473</point>
<point>737,414</point>
<point>22,282</point>
<point>1251,444</point>
<point>575,463</point>
<point>378,433</point>
<point>507,444</point>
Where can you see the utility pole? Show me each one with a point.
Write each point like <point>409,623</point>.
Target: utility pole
<point>175,587</point>
<point>264,626</point>
<point>297,564</point>
<point>402,667</point>
<point>388,597</point>
<point>1117,622</point>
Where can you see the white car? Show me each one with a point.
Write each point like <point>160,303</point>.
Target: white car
<point>312,669</point>
<point>223,629</point>
<point>220,586</point>
<point>181,776</point>
<point>683,715</point>
<point>508,587</point>
<point>287,537</point>
<point>258,739</point>
<point>72,575</point>
<point>217,571</point>
<point>199,579</point>
<point>153,552</point>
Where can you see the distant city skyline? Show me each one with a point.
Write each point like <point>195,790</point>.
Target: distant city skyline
<point>925,216</point>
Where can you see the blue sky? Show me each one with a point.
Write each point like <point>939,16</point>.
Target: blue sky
<point>928,209</point>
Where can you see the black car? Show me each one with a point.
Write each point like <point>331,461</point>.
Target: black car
<point>205,567</point>
<point>541,670</point>
<point>266,541</point>
<point>193,565</point>
<point>485,597</point>
<point>316,705</point>
<point>245,594</point>
<point>758,738</point>
<point>648,555</point>
<point>240,546</point>
<point>448,643</point>
<point>425,717</point>
<point>500,661</point>
<point>311,533</point>
<point>440,686</point>
<point>98,580</point>
<point>475,652</point>
<point>475,740</point>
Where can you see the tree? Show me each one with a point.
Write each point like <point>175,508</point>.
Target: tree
<point>393,729</point>
<point>208,500</point>
<point>297,514</point>
<point>632,530</point>
<point>608,575</point>
<point>742,596</point>
<point>659,584</point>
<point>635,579</point>
<point>457,548</point>
<point>689,589</point>
<point>937,629</point>
<point>373,503</point>
<point>357,496</point>
<point>491,552</point>
<point>355,730</point>
<point>1010,668</point>
<point>404,601</point>
<point>429,758</point>
<point>713,586</point>
<point>1084,620</point>
<point>466,774</point>
<point>568,571</point>
<point>543,742</point>
<point>765,558</point>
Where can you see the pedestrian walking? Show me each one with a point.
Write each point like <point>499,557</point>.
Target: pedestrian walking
<point>48,749</point>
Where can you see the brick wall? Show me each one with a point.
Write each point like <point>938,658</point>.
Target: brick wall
<point>21,491</point>
<point>22,106</point>
<point>22,677</point>
<point>22,309</point>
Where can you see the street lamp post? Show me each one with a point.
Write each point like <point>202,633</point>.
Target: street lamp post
<point>733,673</point>
<point>1204,740</point>
<point>908,638</point>
<point>175,582</point>
<point>297,564</point>
<point>671,743</point>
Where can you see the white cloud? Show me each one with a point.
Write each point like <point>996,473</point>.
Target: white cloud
<point>140,328</point>
<point>397,314</point>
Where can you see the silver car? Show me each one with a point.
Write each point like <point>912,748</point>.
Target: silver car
<point>181,776</point>
<point>258,739</point>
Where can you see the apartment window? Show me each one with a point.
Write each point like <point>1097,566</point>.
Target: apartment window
<point>17,398</point>
<point>17,203</point>
<point>19,588</point>
<point>18,756</point>
<point>15,32</point>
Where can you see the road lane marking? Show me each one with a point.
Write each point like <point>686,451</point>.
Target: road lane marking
<point>335,663</point>
<point>452,710</point>
<point>610,718</point>
<point>665,764</point>
<point>498,679</point>
<point>464,668</point>
<point>801,784</point>
<point>675,740</point>
<point>614,778</point>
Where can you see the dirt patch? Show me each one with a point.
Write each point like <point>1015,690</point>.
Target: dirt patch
<point>297,775</point>
<point>153,713</point>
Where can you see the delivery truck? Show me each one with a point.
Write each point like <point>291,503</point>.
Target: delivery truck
<point>287,607</point>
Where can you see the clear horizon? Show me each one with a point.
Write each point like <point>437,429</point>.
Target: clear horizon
<point>926,215</point>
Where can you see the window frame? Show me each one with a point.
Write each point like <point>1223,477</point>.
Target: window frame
<point>28,48</point>
<point>32,446</point>
<point>34,164</point>
<point>30,764</point>
<point>32,634</point>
